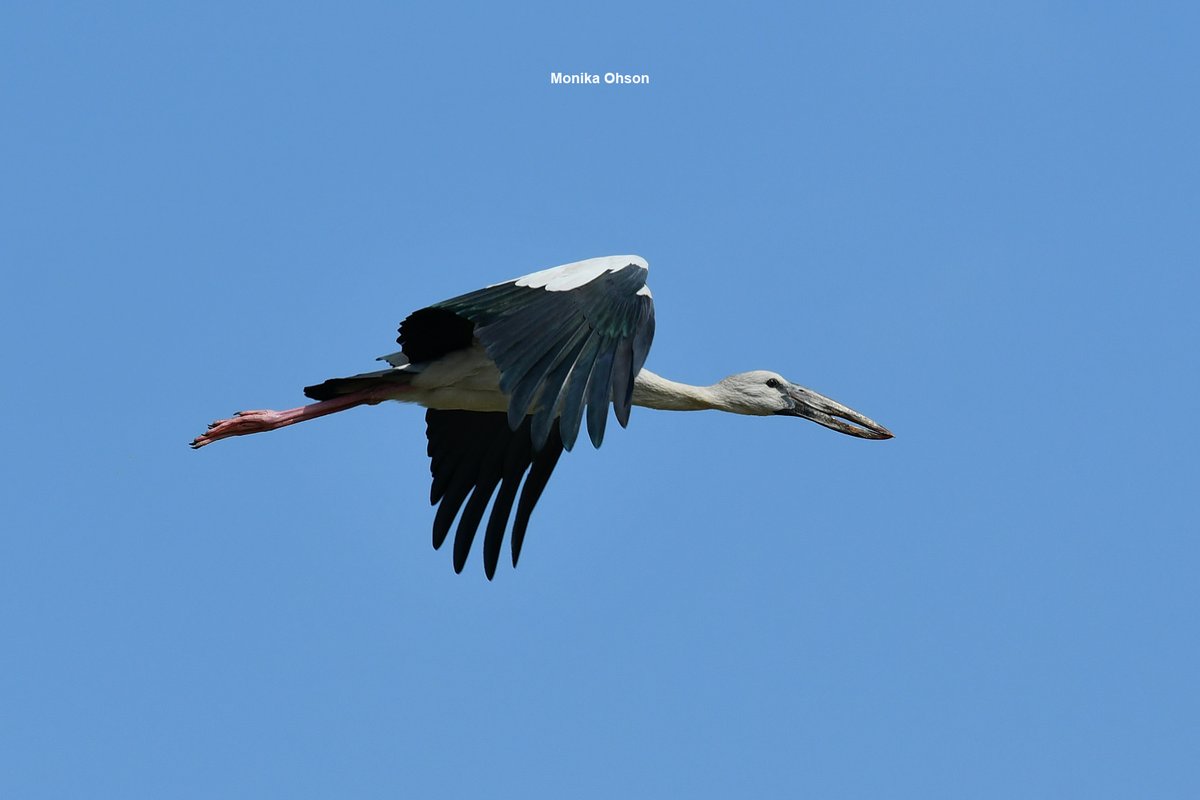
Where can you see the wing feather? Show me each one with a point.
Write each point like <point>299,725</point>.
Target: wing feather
<point>539,475</point>
<point>553,339</point>
<point>471,453</point>
<point>568,342</point>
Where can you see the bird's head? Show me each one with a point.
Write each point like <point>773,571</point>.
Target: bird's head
<point>763,393</point>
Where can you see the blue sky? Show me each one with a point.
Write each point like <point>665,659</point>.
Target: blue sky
<point>975,224</point>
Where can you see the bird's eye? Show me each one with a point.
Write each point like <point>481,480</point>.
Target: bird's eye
<point>772,383</point>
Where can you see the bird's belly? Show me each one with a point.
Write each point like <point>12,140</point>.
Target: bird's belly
<point>466,380</point>
<point>455,398</point>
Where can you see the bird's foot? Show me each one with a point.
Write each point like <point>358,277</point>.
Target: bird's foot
<point>261,420</point>
<point>240,424</point>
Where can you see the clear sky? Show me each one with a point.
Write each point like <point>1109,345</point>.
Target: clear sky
<point>975,223</point>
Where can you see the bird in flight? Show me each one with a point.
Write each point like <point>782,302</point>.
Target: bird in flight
<point>508,374</point>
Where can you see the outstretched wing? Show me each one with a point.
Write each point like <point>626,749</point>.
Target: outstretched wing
<point>563,338</point>
<point>471,453</point>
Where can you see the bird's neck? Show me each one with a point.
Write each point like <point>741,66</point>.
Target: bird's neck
<point>655,391</point>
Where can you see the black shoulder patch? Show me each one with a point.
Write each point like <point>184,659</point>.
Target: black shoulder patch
<point>430,333</point>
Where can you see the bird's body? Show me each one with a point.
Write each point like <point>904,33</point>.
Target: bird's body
<point>509,375</point>
<point>466,380</point>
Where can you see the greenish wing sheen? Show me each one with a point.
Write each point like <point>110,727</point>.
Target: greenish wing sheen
<point>561,351</point>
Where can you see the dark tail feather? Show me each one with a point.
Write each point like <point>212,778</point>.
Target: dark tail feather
<point>336,387</point>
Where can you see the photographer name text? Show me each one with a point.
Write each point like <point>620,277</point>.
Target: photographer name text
<point>596,78</point>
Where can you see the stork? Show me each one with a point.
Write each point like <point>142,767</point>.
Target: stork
<point>506,373</point>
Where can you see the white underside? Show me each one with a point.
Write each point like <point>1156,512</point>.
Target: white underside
<point>467,380</point>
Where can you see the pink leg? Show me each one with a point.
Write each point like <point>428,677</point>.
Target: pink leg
<point>245,422</point>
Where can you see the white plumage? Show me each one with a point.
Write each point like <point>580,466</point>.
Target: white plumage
<point>566,277</point>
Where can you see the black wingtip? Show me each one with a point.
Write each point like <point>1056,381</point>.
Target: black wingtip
<point>477,453</point>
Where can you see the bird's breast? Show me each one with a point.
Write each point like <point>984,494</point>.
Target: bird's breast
<point>465,379</point>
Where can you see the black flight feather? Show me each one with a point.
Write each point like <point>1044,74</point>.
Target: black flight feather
<point>471,452</point>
